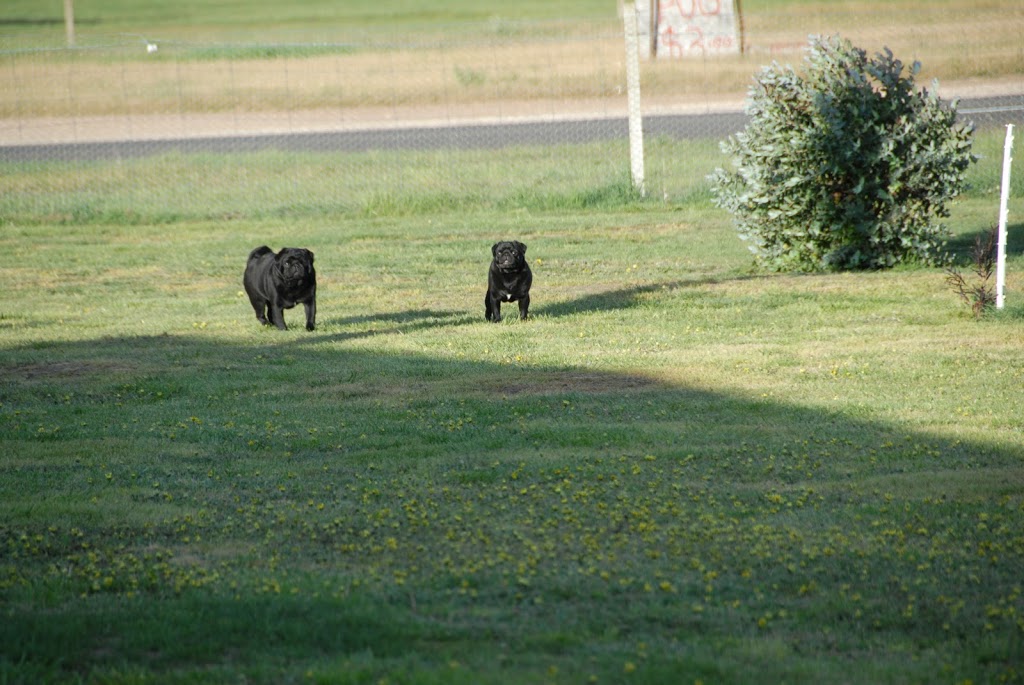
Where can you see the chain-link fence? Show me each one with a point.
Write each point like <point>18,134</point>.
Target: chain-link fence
<point>494,112</point>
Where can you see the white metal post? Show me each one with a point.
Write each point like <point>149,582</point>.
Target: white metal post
<point>1004,199</point>
<point>636,133</point>
<point>69,22</point>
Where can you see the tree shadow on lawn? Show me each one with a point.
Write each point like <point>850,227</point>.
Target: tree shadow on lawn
<point>409,320</point>
<point>405,321</point>
<point>620,298</point>
<point>50,21</point>
<point>962,246</point>
<point>408,317</point>
<point>626,298</point>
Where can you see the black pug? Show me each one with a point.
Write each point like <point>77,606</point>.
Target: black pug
<point>508,280</point>
<point>275,282</point>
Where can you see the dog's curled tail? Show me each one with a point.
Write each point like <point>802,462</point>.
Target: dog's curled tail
<point>259,252</point>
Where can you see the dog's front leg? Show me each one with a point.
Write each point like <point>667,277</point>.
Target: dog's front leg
<point>277,316</point>
<point>310,314</point>
<point>494,308</point>
<point>261,314</point>
<point>524,306</point>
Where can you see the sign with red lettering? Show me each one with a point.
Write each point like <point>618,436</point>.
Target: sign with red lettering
<point>672,29</point>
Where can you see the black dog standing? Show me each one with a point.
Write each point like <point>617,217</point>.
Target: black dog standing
<point>508,280</point>
<point>275,282</point>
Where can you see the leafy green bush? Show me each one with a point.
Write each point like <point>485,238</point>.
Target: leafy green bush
<point>847,166</point>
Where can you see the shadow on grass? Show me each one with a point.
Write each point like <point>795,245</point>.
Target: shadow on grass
<point>402,318</point>
<point>181,410</point>
<point>621,298</point>
<point>409,320</point>
<point>962,246</point>
<point>405,321</point>
<point>49,21</point>
<point>309,384</point>
<point>199,630</point>
<point>418,319</point>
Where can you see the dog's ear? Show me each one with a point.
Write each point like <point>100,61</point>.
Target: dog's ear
<point>494,249</point>
<point>521,247</point>
<point>277,261</point>
<point>310,253</point>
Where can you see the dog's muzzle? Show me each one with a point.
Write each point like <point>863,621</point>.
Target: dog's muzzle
<point>507,260</point>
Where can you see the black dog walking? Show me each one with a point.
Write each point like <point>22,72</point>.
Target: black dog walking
<point>275,282</point>
<point>508,280</point>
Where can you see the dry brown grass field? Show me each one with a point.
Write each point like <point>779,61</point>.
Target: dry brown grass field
<point>496,70</point>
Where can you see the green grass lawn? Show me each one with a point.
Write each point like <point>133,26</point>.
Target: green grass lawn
<point>680,470</point>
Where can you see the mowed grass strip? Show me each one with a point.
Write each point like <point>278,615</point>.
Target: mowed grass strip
<point>679,470</point>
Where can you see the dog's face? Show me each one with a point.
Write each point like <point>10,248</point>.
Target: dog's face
<point>509,255</point>
<point>294,264</point>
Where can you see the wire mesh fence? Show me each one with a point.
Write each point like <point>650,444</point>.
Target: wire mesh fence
<point>492,112</point>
